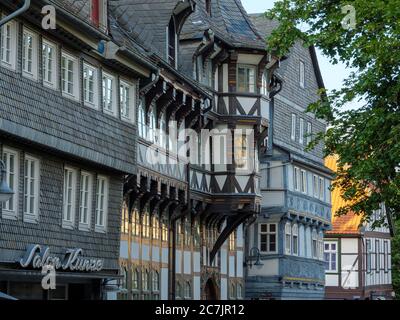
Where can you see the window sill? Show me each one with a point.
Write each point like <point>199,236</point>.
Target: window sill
<point>30,76</point>
<point>100,229</point>
<point>8,65</point>
<point>50,85</point>
<point>30,219</point>
<point>91,105</point>
<point>70,96</point>
<point>9,215</point>
<point>128,120</point>
<point>84,227</point>
<point>109,112</point>
<point>67,225</point>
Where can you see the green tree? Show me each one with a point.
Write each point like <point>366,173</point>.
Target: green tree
<point>365,36</point>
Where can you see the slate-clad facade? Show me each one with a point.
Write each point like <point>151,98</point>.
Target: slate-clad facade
<point>66,156</point>
<point>295,184</point>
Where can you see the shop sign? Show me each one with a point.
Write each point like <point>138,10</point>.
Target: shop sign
<point>38,256</point>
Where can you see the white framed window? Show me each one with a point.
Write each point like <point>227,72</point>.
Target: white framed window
<point>232,241</point>
<point>315,186</point>
<point>164,229</point>
<point>268,235</point>
<point>331,256</point>
<point>368,248</point>
<point>135,223</point>
<point>8,42</point>
<point>309,133</point>
<point>386,255</point>
<point>163,130</point>
<point>152,127</point>
<point>240,291</point>
<point>302,71</point>
<point>321,186</point>
<point>90,86</point>
<point>288,238</point>
<point>69,76</point>
<point>29,54</point>
<point>85,200</point>
<point>101,204</point>
<point>127,101</point>
<point>49,64</point>
<point>156,281</point>
<point>293,128</point>
<point>11,161</point>
<point>109,94</point>
<point>264,84</point>
<point>69,199</point>
<point>155,226</point>
<point>314,238</point>
<point>377,256</point>
<point>146,225</point>
<point>297,179</point>
<point>301,135</point>
<point>142,121</point>
<point>303,181</point>
<point>295,239</point>
<point>31,189</point>
<point>246,78</point>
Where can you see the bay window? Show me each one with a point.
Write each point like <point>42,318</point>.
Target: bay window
<point>288,238</point>
<point>142,121</point>
<point>152,127</point>
<point>246,79</point>
<point>295,239</point>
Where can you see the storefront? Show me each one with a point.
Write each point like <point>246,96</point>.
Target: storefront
<point>41,275</point>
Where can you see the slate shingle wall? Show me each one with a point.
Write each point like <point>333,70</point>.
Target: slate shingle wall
<point>15,236</point>
<point>32,112</point>
<point>292,91</point>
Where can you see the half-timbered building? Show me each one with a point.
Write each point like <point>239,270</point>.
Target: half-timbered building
<point>357,255</point>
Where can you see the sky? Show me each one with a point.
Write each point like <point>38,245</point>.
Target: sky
<point>333,75</point>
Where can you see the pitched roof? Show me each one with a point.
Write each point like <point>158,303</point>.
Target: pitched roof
<point>228,20</point>
<point>349,223</point>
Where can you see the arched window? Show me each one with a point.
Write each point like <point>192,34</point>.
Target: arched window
<point>188,290</point>
<point>288,238</point>
<point>233,291</point>
<point>239,291</point>
<point>142,121</point>
<point>156,281</point>
<point>155,227</point>
<point>136,223</point>
<point>232,241</point>
<point>163,130</point>
<point>164,227</point>
<point>295,239</point>
<point>135,279</point>
<point>187,232</point>
<point>146,281</point>
<point>178,290</point>
<point>146,225</point>
<point>125,219</point>
<point>172,42</point>
<point>152,127</point>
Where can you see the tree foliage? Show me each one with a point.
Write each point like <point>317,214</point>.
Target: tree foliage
<point>367,140</point>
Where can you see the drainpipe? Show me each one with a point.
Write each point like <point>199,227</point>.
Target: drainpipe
<point>15,14</point>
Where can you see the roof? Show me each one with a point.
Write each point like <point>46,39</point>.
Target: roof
<point>229,21</point>
<point>348,224</point>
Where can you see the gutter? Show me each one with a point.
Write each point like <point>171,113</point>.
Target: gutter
<point>17,13</point>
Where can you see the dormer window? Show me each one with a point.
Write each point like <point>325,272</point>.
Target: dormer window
<point>172,43</point>
<point>98,14</point>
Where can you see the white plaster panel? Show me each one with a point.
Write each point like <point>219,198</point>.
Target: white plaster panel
<point>332,280</point>
<point>224,289</point>
<point>349,245</point>
<point>164,284</point>
<point>123,250</point>
<point>196,288</point>
<point>196,262</point>
<point>187,262</point>
<point>164,255</point>
<point>232,266</point>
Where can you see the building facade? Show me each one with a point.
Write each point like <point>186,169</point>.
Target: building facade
<point>286,240</point>
<point>357,255</point>
<point>185,215</point>
<point>66,139</point>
